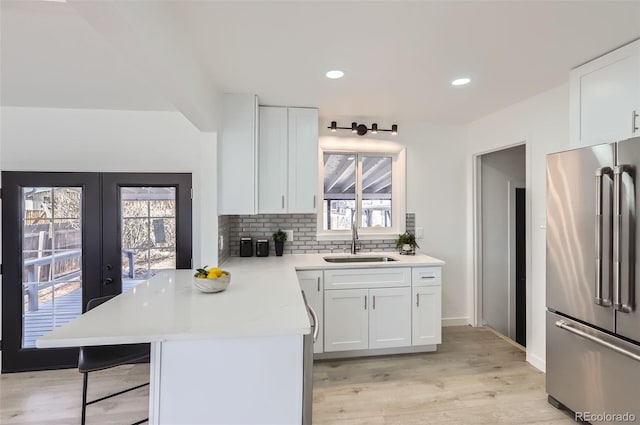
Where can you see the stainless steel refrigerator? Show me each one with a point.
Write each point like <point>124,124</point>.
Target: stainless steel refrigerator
<point>593,320</point>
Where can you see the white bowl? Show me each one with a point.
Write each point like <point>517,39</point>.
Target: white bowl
<point>212,285</point>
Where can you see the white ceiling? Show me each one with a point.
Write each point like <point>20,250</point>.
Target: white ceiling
<point>398,57</point>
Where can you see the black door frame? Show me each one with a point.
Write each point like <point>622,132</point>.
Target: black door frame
<point>14,357</point>
<point>101,223</point>
<point>111,225</point>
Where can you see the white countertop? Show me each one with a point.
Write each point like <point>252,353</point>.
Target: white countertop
<point>263,299</point>
<point>258,302</point>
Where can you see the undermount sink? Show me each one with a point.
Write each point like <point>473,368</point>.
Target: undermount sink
<point>358,259</point>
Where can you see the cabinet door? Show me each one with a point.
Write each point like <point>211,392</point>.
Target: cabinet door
<point>272,160</point>
<point>390,317</point>
<point>346,324</point>
<point>312,285</point>
<point>604,94</point>
<point>426,321</point>
<point>303,160</point>
<point>237,155</point>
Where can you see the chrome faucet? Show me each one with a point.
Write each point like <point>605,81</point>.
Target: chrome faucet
<point>354,237</point>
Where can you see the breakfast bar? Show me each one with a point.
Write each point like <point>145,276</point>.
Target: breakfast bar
<point>234,357</point>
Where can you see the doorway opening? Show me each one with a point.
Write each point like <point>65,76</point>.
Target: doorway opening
<point>501,242</point>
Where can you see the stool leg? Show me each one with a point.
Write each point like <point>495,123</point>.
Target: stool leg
<point>84,396</point>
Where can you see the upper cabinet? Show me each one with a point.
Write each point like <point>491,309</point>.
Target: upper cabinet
<point>288,160</point>
<point>605,98</point>
<point>237,155</point>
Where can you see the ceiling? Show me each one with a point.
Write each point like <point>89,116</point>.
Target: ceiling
<point>398,57</point>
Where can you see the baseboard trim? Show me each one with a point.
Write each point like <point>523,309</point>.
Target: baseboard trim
<point>537,362</point>
<point>375,352</point>
<point>455,321</point>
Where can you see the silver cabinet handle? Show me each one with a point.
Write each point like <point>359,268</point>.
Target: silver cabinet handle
<point>417,300</point>
<point>318,283</point>
<point>314,202</point>
<point>628,307</point>
<point>567,326</point>
<point>634,125</point>
<point>282,201</point>
<point>374,302</point>
<point>316,323</point>
<point>600,173</point>
<point>427,277</point>
<point>365,302</point>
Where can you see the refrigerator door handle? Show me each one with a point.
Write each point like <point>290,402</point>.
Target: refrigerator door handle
<point>567,326</point>
<point>598,299</point>
<point>618,304</point>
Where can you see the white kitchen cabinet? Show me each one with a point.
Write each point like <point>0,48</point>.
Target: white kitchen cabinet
<point>288,160</point>
<point>346,320</point>
<point>605,98</point>
<point>367,278</point>
<point>311,282</point>
<point>238,155</point>
<point>426,315</point>
<point>273,157</point>
<point>303,160</point>
<point>390,317</point>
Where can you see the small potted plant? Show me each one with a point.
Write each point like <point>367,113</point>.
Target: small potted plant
<point>279,238</point>
<point>406,243</point>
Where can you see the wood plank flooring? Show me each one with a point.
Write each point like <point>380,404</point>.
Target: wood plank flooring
<point>475,377</point>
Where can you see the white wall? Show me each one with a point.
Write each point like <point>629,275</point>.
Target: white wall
<point>498,170</point>
<point>46,139</point>
<point>435,193</point>
<point>543,123</point>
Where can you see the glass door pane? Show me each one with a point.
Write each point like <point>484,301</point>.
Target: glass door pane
<point>51,259</point>
<point>148,232</point>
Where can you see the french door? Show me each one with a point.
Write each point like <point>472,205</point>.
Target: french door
<point>71,237</point>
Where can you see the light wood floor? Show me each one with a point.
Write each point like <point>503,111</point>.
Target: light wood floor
<point>475,377</point>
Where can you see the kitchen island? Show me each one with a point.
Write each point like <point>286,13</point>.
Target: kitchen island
<point>234,357</point>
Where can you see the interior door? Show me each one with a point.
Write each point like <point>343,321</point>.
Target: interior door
<point>627,314</point>
<point>577,272</point>
<point>71,237</point>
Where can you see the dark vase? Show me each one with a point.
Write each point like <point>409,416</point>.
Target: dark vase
<point>279,248</point>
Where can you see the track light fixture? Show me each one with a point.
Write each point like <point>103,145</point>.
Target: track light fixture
<point>362,129</point>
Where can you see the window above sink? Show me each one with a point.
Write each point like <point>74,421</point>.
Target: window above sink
<point>365,181</point>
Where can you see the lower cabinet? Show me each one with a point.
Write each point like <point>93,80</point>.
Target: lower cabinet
<point>360,319</point>
<point>312,283</point>
<point>346,319</point>
<point>426,311</point>
<point>390,317</point>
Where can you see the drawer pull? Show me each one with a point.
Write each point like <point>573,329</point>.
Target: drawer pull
<point>417,300</point>
<point>563,324</point>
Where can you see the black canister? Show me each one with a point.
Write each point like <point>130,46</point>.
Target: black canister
<point>262,248</point>
<point>246,247</point>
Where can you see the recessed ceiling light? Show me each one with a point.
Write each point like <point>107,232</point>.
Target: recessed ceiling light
<point>336,73</point>
<point>461,81</point>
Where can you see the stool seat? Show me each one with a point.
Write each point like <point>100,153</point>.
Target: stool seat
<point>92,359</point>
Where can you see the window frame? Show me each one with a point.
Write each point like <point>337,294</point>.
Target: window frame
<point>398,182</point>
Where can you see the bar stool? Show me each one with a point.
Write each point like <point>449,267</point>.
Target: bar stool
<point>94,358</point>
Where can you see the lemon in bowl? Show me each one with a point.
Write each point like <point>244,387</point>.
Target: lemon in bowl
<point>211,280</point>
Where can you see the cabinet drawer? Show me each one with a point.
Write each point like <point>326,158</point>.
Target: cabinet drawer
<point>426,276</point>
<point>367,278</point>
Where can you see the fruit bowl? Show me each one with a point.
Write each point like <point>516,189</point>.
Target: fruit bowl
<point>212,284</point>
